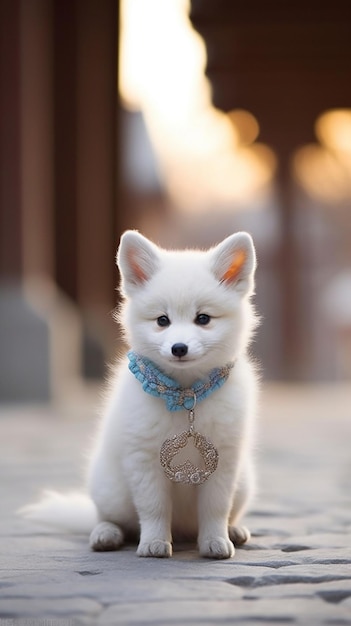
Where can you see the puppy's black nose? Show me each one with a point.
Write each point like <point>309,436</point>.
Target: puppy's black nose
<point>179,349</point>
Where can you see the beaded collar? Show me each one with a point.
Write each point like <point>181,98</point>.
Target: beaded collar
<point>158,384</point>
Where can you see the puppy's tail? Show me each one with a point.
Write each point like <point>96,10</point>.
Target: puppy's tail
<point>71,512</point>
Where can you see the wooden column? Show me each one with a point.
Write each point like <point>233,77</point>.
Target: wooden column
<point>25,197</point>
<point>96,152</point>
<point>11,249</point>
<point>85,44</point>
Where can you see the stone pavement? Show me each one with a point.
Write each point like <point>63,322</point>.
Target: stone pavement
<point>296,569</point>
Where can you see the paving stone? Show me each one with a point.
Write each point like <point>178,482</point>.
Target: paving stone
<point>332,592</point>
<point>310,574</point>
<point>48,607</point>
<point>264,611</point>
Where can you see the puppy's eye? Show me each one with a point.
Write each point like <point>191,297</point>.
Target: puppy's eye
<point>202,319</point>
<point>163,321</point>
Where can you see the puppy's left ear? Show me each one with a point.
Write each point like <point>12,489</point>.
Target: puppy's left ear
<point>234,262</point>
<point>137,259</point>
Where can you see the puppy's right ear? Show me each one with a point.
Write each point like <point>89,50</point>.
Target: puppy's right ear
<point>137,259</point>
<point>234,263</point>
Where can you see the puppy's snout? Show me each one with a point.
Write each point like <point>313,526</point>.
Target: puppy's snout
<point>179,349</point>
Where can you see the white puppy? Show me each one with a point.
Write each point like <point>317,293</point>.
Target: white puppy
<point>174,459</point>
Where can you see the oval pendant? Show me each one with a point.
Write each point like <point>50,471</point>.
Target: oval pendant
<point>187,473</point>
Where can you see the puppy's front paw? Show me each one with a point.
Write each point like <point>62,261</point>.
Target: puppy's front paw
<point>106,536</point>
<point>156,548</point>
<point>217,548</point>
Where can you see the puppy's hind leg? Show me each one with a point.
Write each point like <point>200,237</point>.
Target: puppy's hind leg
<point>106,536</point>
<point>240,534</point>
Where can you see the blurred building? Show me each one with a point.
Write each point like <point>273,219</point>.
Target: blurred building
<point>229,117</point>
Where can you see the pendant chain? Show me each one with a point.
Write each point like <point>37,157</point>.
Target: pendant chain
<point>191,417</point>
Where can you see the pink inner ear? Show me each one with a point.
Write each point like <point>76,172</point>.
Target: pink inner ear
<point>135,267</point>
<point>234,269</point>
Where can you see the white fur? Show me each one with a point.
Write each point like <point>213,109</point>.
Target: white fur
<point>127,484</point>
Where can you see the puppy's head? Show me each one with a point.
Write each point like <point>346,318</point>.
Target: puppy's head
<point>187,310</point>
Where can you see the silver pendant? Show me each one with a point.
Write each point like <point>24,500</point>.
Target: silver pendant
<point>187,473</point>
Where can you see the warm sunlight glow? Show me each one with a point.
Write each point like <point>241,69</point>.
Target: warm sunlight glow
<point>333,129</point>
<point>324,170</point>
<point>160,57</point>
<point>320,173</point>
<point>246,125</point>
<point>204,155</point>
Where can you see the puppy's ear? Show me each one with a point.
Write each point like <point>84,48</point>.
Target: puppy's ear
<point>234,262</point>
<point>137,259</point>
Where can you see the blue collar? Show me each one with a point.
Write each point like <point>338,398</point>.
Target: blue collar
<point>158,384</point>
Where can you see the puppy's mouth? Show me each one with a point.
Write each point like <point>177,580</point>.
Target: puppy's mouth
<point>184,361</point>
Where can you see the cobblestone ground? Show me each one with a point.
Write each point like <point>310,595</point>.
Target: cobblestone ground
<point>296,569</point>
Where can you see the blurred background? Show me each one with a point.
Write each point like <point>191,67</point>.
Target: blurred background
<point>187,120</point>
